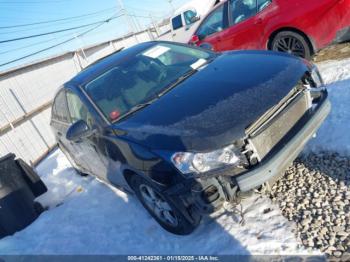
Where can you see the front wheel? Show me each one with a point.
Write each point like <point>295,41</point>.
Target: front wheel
<point>161,208</point>
<point>292,43</point>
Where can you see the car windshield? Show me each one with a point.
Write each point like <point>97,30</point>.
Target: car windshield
<point>138,80</point>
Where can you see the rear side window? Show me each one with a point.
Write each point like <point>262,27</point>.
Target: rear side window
<point>177,22</point>
<point>77,110</point>
<point>213,24</point>
<point>59,108</point>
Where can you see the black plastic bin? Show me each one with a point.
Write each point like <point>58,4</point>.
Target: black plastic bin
<point>19,185</point>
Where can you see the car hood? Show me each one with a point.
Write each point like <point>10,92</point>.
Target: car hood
<point>214,106</point>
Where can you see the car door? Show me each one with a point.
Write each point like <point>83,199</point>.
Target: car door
<point>247,20</point>
<point>176,24</point>
<point>213,29</point>
<point>60,122</point>
<point>88,149</point>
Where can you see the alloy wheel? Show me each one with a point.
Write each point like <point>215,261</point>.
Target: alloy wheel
<point>158,205</point>
<point>289,44</point>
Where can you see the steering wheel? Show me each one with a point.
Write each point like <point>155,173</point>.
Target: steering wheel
<point>239,19</point>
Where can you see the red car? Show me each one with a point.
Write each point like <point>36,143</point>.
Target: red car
<point>299,27</point>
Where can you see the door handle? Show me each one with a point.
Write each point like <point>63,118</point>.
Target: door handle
<point>59,134</point>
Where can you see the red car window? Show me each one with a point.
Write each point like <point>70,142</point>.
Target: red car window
<point>214,23</point>
<point>262,4</point>
<point>242,9</point>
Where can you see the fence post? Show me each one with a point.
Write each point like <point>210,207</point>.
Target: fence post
<point>30,120</point>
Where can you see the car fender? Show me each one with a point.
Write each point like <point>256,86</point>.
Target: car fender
<point>138,160</point>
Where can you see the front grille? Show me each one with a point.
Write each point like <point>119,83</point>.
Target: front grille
<point>267,135</point>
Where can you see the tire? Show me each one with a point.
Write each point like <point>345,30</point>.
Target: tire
<point>292,43</point>
<point>171,219</point>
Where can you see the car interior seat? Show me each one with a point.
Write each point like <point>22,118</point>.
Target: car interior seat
<point>109,98</point>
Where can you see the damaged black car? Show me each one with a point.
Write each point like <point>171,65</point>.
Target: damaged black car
<point>186,129</point>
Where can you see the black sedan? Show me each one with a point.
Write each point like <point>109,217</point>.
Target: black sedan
<point>184,128</point>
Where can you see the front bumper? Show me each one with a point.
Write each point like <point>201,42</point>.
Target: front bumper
<point>208,192</point>
<point>221,186</point>
<point>275,166</point>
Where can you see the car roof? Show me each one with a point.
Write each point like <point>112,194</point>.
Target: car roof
<point>102,65</point>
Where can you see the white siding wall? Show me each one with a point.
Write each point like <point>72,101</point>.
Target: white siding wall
<point>28,88</point>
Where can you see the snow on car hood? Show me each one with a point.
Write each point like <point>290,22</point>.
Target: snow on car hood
<point>214,106</point>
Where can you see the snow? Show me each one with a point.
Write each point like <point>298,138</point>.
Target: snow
<point>86,216</point>
<point>334,133</point>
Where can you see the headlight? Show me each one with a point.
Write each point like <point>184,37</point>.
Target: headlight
<point>203,162</point>
<point>316,78</point>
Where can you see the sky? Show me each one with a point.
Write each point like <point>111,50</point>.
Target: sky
<point>15,15</point>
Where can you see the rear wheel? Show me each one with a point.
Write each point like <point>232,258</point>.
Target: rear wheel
<point>292,43</point>
<point>161,208</point>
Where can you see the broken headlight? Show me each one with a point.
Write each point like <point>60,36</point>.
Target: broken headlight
<point>203,162</point>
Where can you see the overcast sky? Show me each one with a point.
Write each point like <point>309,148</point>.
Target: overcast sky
<point>15,15</point>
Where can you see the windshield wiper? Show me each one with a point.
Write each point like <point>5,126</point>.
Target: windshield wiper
<point>136,108</point>
<point>177,81</point>
<point>184,77</point>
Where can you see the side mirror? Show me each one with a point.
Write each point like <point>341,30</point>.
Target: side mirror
<point>78,130</point>
<point>195,19</point>
<point>194,40</point>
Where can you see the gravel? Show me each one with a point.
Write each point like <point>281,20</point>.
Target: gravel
<point>315,194</point>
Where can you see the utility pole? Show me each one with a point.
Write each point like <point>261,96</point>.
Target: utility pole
<point>80,43</point>
<point>155,25</point>
<point>172,6</point>
<point>128,20</point>
<point>137,23</point>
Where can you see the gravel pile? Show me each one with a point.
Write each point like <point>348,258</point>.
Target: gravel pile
<point>315,193</point>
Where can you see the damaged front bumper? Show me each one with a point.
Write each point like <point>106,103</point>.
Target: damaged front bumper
<point>214,188</point>
<point>273,167</point>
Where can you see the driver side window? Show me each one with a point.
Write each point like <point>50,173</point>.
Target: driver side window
<point>241,10</point>
<point>77,110</point>
<point>213,24</point>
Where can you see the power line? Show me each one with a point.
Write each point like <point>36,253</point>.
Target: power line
<point>32,2</point>
<point>52,32</point>
<point>42,42</point>
<point>49,26</point>
<point>34,44</point>
<point>57,20</point>
<point>141,16</point>
<point>46,27</point>
<point>61,43</point>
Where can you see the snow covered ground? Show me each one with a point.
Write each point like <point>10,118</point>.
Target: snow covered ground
<point>334,133</point>
<point>87,216</point>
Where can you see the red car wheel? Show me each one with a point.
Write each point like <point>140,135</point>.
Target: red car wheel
<point>292,43</point>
